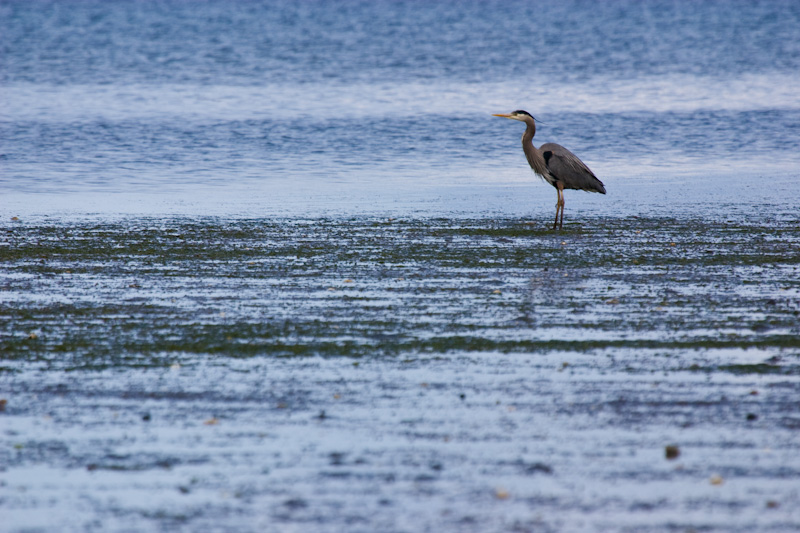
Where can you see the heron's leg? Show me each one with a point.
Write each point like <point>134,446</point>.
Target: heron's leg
<point>559,206</point>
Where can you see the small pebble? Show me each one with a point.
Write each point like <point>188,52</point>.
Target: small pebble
<point>501,494</point>
<point>672,452</point>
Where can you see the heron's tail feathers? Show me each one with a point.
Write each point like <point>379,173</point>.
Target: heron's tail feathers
<point>600,187</point>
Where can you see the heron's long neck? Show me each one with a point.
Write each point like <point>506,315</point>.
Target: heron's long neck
<point>534,156</point>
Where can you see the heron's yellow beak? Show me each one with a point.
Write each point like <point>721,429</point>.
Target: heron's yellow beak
<point>504,115</point>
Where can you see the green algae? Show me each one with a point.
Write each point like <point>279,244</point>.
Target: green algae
<point>137,292</point>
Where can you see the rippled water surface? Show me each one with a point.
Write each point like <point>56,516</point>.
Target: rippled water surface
<point>243,107</point>
<point>273,266</point>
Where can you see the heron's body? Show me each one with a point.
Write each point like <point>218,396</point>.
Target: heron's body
<point>558,166</point>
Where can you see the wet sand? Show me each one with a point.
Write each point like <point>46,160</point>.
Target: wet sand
<point>411,374</point>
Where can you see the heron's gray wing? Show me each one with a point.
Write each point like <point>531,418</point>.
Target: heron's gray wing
<point>570,170</point>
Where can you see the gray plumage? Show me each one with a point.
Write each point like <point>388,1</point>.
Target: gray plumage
<point>558,166</point>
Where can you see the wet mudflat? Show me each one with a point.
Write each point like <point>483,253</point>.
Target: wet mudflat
<point>374,374</point>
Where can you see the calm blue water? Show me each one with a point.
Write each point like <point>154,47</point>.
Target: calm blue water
<point>223,105</point>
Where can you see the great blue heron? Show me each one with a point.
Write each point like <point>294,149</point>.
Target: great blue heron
<point>558,166</point>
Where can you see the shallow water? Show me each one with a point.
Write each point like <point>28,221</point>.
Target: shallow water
<point>275,267</point>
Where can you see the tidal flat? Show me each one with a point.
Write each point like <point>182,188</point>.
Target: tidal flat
<point>400,374</point>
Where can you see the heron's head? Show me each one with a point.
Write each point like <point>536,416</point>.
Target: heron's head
<point>519,114</point>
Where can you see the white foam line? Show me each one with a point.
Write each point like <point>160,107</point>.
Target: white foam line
<point>681,93</point>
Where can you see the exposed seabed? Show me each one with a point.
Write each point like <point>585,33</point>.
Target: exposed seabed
<point>369,373</point>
